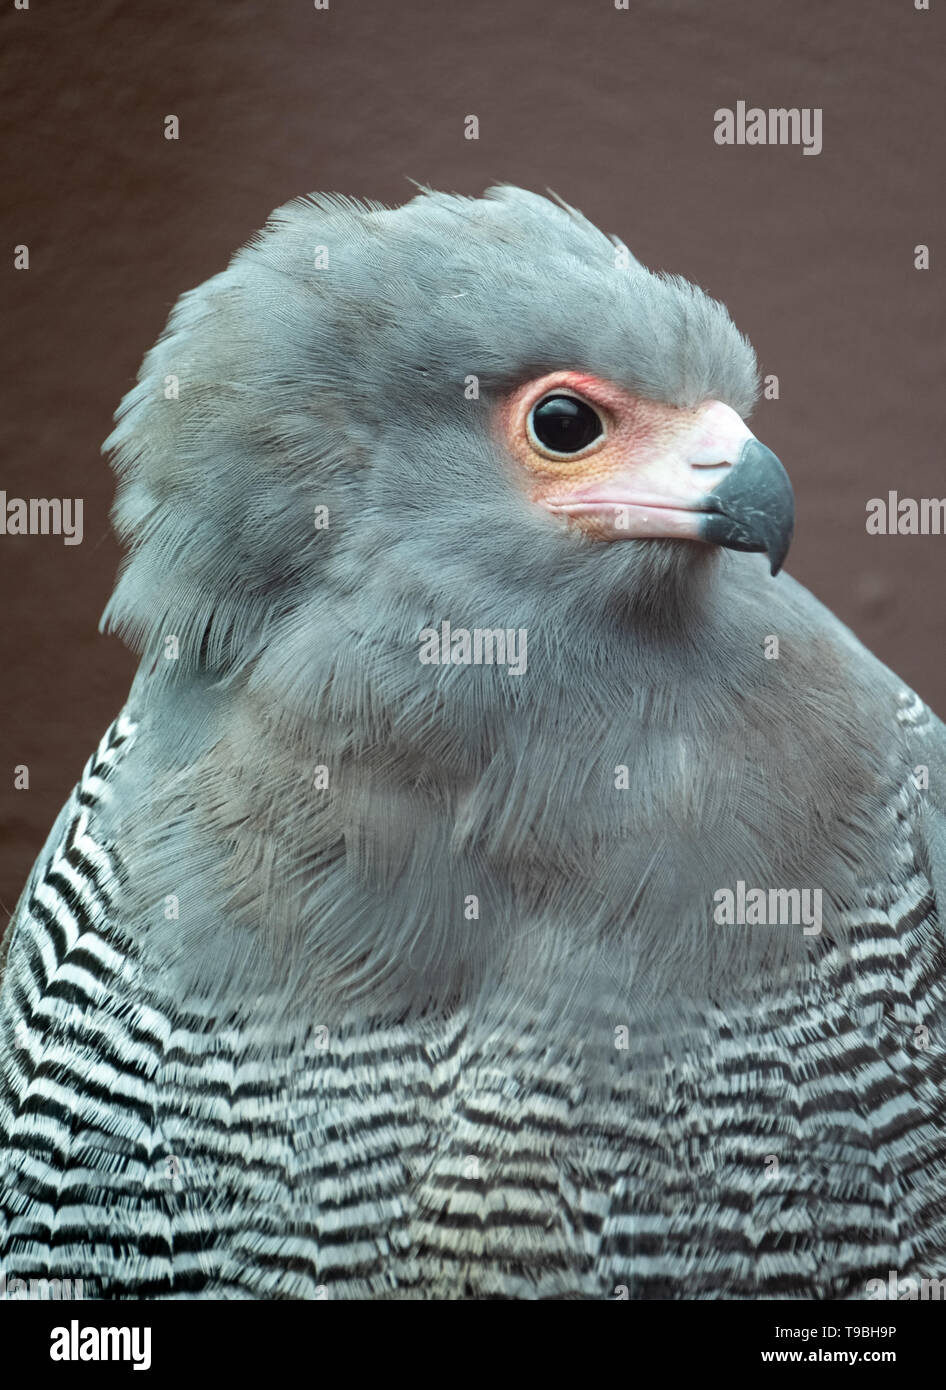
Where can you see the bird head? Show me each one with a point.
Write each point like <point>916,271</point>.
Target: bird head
<point>483,395</point>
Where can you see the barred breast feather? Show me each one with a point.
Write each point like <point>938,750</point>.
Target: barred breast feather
<point>796,1150</point>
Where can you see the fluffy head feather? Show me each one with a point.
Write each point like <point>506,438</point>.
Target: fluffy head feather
<point>345,386</point>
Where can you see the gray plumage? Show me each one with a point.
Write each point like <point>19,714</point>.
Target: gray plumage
<point>251,1044</point>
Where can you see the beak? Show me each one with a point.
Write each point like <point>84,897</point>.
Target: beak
<point>753,508</point>
<point>703,475</point>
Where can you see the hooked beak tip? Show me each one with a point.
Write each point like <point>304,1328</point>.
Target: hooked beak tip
<point>753,508</point>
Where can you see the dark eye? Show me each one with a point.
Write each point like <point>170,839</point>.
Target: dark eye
<point>564,424</point>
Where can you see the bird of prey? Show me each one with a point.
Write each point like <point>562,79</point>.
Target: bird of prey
<point>501,882</point>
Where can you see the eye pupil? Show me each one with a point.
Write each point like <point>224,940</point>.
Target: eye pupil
<point>565,424</point>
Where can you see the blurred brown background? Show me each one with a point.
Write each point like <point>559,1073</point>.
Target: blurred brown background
<point>612,108</point>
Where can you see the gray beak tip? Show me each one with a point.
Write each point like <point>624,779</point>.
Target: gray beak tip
<point>754,506</point>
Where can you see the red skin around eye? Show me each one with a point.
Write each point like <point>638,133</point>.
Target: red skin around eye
<point>635,428</point>
<point>650,474</point>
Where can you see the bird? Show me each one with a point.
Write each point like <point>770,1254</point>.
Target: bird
<point>503,880</point>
